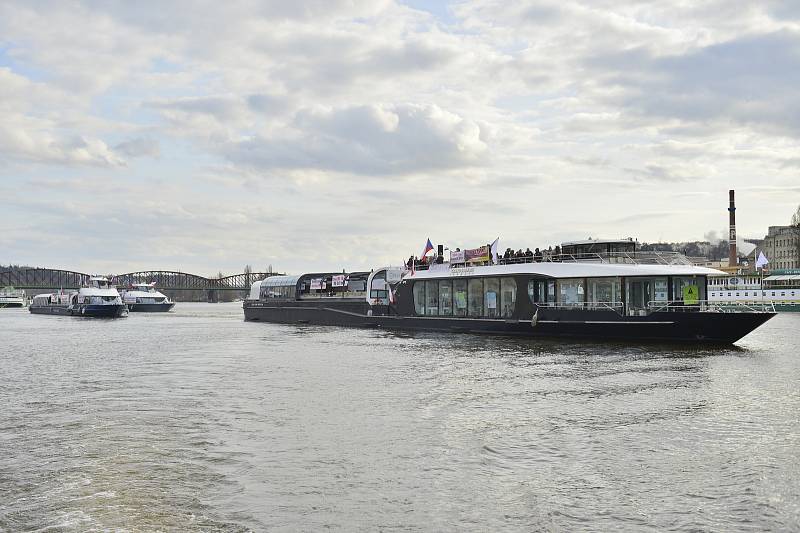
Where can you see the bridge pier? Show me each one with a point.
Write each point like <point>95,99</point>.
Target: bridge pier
<point>212,296</point>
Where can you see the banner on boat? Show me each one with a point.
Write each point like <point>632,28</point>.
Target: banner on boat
<point>318,283</point>
<point>393,275</point>
<point>477,255</point>
<point>338,281</point>
<point>457,256</point>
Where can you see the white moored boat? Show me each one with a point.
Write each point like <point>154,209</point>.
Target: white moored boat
<point>780,288</point>
<point>144,297</point>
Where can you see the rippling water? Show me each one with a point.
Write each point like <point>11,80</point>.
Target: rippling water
<point>196,420</point>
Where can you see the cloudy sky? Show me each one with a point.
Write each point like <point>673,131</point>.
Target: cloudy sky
<point>340,133</point>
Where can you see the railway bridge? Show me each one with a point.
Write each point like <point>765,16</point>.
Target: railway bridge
<point>54,279</point>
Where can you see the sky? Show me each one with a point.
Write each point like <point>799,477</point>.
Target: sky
<point>329,134</point>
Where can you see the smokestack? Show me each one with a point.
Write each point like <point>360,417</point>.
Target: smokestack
<point>732,260</point>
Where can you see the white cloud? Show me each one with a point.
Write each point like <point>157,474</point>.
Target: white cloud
<point>531,120</point>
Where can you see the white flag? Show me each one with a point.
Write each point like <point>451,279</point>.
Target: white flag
<point>493,249</point>
<point>762,260</point>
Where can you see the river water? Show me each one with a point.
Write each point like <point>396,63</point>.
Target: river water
<point>196,420</point>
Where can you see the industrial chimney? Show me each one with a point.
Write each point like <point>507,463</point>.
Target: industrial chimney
<point>732,260</point>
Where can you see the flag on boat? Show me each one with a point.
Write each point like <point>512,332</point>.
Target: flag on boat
<point>762,260</point>
<point>428,248</point>
<point>493,249</point>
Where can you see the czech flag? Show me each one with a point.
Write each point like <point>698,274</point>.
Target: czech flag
<point>428,248</point>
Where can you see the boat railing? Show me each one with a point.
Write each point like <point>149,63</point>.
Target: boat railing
<point>706,306</point>
<point>617,307</point>
<point>626,258</point>
<point>632,258</point>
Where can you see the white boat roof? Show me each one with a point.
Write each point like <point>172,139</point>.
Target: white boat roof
<point>565,270</point>
<point>94,291</point>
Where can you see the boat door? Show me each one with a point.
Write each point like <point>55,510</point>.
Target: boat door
<point>638,294</point>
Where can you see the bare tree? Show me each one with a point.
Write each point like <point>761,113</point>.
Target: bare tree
<point>248,269</point>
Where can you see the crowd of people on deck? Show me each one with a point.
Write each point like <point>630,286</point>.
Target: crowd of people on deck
<point>506,258</point>
<point>528,256</point>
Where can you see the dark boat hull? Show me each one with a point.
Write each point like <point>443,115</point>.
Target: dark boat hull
<point>87,311</point>
<point>693,327</point>
<point>151,308</point>
<point>11,305</point>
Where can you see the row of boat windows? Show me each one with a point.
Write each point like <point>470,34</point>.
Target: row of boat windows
<point>496,297</point>
<point>725,281</point>
<point>476,297</point>
<point>283,292</point>
<point>46,300</point>
<point>755,293</point>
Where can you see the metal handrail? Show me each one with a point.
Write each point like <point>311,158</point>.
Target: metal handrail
<point>617,307</point>
<point>635,258</point>
<point>707,306</point>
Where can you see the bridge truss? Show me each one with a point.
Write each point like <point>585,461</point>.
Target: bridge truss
<point>45,278</point>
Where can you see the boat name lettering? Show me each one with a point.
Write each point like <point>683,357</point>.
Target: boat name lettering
<point>467,271</point>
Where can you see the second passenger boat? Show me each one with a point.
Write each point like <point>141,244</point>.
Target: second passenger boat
<point>98,299</point>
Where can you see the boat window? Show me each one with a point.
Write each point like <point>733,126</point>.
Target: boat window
<point>379,288</point>
<point>359,285</point>
<point>460,297</point>
<point>660,292</point>
<point>475,297</point>
<point>508,290</point>
<point>603,292</point>
<point>419,297</point>
<point>431,298</point>
<point>570,291</point>
<point>491,297</point>
<point>680,289</point>
<point>446,298</point>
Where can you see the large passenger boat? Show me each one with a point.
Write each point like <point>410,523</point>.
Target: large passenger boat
<point>11,297</point>
<point>98,299</point>
<point>611,294</point>
<point>144,297</point>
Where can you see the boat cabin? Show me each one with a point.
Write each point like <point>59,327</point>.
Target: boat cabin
<point>511,291</point>
<point>99,282</point>
<point>607,247</point>
<point>316,285</point>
